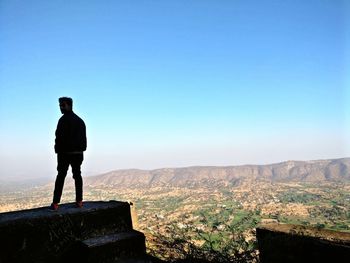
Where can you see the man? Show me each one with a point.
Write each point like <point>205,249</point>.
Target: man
<point>70,144</point>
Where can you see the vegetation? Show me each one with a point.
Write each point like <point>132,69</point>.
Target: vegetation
<point>220,241</point>
<point>293,196</point>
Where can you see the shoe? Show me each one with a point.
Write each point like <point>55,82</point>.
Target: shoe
<point>79,204</point>
<point>53,207</point>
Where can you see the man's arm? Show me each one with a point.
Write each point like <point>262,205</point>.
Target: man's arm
<point>84,141</point>
<point>60,135</point>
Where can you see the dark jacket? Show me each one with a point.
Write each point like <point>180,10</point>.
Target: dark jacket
<point>70,134</point>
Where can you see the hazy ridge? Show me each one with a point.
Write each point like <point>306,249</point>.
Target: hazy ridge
<point>332,170</point>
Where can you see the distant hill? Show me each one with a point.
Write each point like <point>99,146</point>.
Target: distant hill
<point>21,184</point>
<point>333,170</point>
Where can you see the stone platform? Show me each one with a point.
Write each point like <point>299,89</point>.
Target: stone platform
<point>99,232</point>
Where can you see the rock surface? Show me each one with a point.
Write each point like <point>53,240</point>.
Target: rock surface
<point>291,243</point>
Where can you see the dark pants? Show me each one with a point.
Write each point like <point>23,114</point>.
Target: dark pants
<point>63,161</point>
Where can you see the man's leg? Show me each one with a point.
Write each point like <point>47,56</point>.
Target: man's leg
<point>76,161</point>
<point>62,168</point>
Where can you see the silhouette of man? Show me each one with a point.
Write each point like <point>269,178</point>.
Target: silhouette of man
<point>70,143</point>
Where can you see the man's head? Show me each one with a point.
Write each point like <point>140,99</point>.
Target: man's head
<point>66,104</point>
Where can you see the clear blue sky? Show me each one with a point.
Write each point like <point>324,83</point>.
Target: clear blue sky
<point>174,83</point>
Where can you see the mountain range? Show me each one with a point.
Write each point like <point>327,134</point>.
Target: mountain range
<point>331,170</point>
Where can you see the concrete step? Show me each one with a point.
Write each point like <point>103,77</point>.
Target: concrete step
<point>115,247</point>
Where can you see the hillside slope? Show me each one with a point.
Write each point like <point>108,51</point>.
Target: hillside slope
<point>335,170</point>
